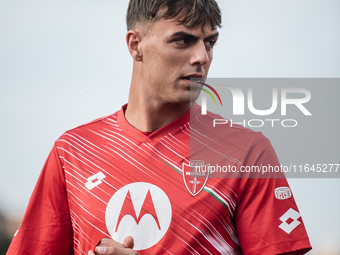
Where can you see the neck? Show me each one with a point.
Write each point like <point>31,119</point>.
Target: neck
<point>148,114</point>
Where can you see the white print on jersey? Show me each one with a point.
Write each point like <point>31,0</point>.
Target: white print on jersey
<point>293,215</point>
<point>283,193</point>
<point>195,175</point>
<point>141,210</point>
<point>90,185</point>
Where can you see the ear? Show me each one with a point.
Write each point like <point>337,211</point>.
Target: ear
<point>133,39</point>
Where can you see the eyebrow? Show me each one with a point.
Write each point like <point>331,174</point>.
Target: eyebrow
<point>191,36</point>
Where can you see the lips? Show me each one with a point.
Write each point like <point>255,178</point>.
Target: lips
<point>192,79</point>
<point>193,76</point>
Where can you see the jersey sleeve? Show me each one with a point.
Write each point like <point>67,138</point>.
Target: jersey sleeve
<point>268,220</point>
<point>46,226</point>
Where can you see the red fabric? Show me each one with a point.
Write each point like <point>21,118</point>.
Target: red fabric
<point>67,213</point>
<point>46,227</point>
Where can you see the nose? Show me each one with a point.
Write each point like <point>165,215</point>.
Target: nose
<point>200,54</point>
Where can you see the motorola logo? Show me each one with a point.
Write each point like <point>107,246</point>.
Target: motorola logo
<point>140,210</point>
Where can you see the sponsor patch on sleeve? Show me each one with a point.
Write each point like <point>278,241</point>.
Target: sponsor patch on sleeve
<point>282,193</point>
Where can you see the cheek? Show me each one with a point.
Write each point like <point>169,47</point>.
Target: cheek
<point>169,60</point>
<point>154,59</point>
<point>167,67</point>
<point>163,64</point>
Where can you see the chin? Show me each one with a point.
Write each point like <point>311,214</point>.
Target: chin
<point>183,96</point>
<point>187,100</point>
<point>194,94</point>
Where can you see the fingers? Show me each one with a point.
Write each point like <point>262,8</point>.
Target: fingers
<point>107,242</point>
<point>115,251</point>
<point>128,242</point>
<point>108,246</point>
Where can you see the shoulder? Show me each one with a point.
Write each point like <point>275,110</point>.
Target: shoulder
<point>89,128</point>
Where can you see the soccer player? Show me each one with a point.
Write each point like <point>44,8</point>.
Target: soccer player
<point>129,183</point>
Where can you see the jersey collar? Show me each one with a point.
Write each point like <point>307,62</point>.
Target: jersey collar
<point>139,137</point>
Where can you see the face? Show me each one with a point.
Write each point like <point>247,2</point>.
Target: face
<point>171,55</point>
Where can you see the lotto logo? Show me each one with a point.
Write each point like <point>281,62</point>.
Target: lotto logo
<point>98,177</point>
<point>136,209</point>
<point>293,215</point>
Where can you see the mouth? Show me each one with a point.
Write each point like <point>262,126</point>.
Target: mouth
<point>193,79</point>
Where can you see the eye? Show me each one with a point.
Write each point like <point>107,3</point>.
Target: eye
<point>182,41</point>
<point>210,43</point>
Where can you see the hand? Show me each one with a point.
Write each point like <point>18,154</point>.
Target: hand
<point>108,246</point>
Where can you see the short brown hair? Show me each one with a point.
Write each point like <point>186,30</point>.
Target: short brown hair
<point>190,13</point>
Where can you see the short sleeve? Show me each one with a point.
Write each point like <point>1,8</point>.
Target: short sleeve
<point>46,227</point>
<point>267,219</point>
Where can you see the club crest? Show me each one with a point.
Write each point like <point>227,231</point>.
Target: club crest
<point>195,175</point>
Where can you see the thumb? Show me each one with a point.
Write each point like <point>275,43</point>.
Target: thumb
<point>128,242</point>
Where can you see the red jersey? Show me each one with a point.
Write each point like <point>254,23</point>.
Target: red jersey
<point>106,179</point>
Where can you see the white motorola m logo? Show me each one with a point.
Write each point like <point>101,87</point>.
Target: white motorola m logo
<point>293,216</point>
<point>140,210</point>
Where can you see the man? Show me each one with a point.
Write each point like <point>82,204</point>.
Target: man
<point>119,185</point>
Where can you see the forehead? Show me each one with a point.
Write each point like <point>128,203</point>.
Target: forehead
<point>168,27</point>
